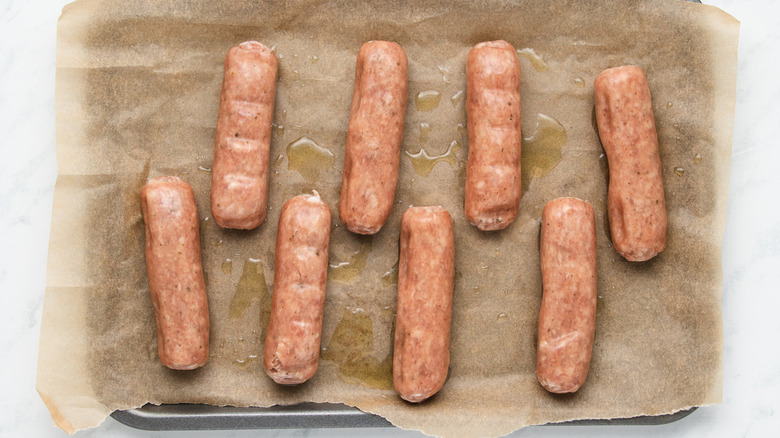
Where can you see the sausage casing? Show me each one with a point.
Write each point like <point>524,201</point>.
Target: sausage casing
<point>292,344</point>
<point>239,174</point>
<point>636,203</point>
<point>493,184</point>
<point>567,319</point>
<point>173,264</point>
<point>374,137</point>
<point>426,276</point>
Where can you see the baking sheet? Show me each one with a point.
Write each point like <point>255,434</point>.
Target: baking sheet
<point>137,95</point>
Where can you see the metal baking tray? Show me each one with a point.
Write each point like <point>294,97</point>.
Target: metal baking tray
<point>305,415</point>
<point>301,416</point>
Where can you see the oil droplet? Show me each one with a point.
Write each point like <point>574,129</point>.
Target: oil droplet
<point>679,171</point>
<point>444,71</point>
<point>314,59</point>
<point>669,104</point>
<point>423,163</point>
<point>604,166</point>
<point>457,97</point>
<point>501,317</point>
<point>345,272</point>
<point>278,130</point>
<point>697,159</point>
<point>542,151</point>
<point>227,267</point>
<point>308,158</point>
<point>351,347</point>
<point>425,131</point>
<point>278,160</point>
<point>462,130</point>
<point>245,363</point>
<point>251,286</point>
<point>284,115</point>
<point>580,82</point>
<point>427,100</point>
<point>204,168</point>
<point>390,277</point>
<point>537,62</point>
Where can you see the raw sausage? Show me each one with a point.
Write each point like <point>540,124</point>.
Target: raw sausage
<point>567,319</point>
<point>426,276</point>
<point>173,264</point>
<point>493,184</point>
<point>239,174</point>
<point>292,344</point>
<point>636,204</point>
<point>374,136</point>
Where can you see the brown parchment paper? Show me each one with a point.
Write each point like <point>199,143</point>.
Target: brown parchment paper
<point>137,92</point>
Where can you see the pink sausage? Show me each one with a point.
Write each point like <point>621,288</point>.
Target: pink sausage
<point>567,319</point>
<point>636,203</point>
<point>173,264</point>
<point>493,184</point>
<point>239,174</point>
<point>374,136</point>
<point>426,277</point>
<point>292,344</point>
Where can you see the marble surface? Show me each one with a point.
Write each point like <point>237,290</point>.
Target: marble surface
<point>751,247</point>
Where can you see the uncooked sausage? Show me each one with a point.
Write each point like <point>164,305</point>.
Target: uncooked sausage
<point>292,343</point>
<point>636,203</point>
<point>374,137</point>
<point>567,319</point>
<point>239,174</point>
<point>493,184</point>
<point>426,276</point>
<point>173,264</point>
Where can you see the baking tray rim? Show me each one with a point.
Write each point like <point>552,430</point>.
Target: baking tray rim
<point>307,415</point>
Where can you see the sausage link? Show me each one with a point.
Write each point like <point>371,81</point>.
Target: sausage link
<point>567,319</point>
<point>292,344</point>
<point>374,137</point>
<point>426,276</point>
<point>239,174</point>
<point>493,184</point>
<point>636,204</point>
<point>173,265</point>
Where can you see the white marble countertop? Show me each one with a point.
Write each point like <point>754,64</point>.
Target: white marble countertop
<point>751,246</point>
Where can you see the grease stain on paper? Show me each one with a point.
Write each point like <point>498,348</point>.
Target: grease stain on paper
<point>536,60</point>
<point>308,158</point>
<point>427,100</point>
<point>251,287</point>
<point>541,151</point>
<point>345,272</point>
<point>351,347</point>
<point>423,163</point>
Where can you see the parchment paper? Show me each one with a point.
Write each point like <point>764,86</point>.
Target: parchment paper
<point>137,95</point>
